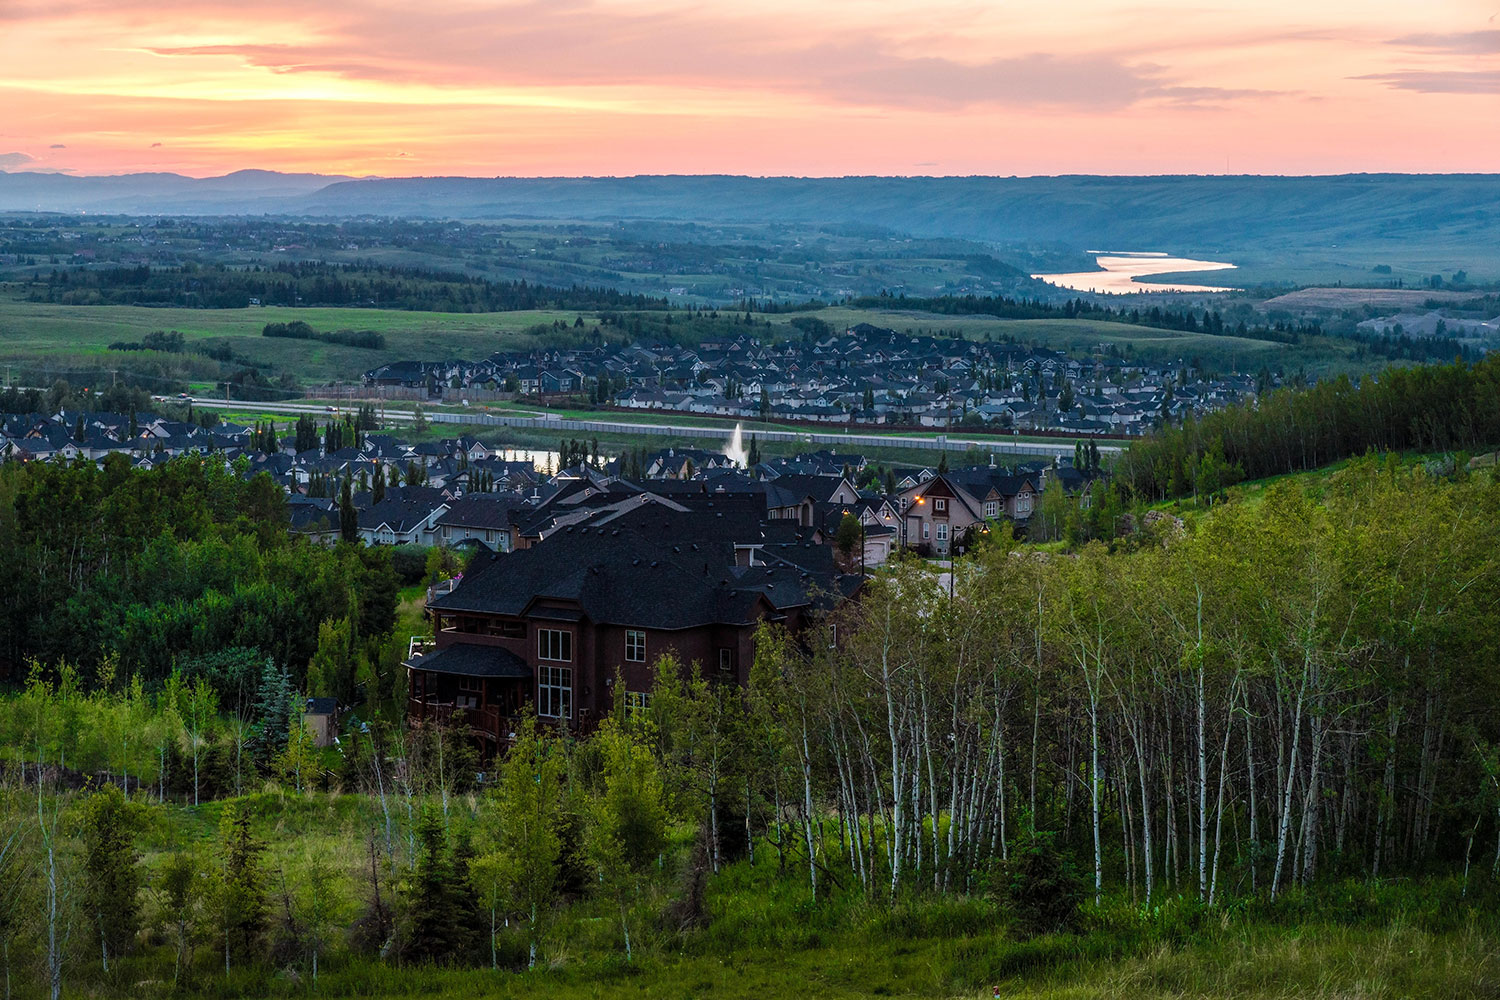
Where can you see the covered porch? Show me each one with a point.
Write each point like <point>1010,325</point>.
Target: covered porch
<point>484,686</point>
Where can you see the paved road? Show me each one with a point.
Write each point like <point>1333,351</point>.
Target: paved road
<point>841,439</point>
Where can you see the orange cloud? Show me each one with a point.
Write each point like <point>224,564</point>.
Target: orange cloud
<point>781,87</point>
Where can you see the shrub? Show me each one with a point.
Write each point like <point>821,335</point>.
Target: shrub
<point>1040,886</point>
<point>410,563</point>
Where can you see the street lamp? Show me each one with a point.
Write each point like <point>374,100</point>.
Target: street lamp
<point>918,502</point>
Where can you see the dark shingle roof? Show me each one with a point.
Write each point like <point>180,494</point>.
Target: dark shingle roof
<point>485,510</point>
<point>472,660</point>
<point>657,569</point>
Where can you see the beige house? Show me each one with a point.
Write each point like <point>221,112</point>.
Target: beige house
<point>938,514</point>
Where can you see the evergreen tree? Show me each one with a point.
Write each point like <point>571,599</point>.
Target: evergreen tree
<point>112,877</point>
<point>431,931</point>
<point>306,434</point>
<point>273,712</point>
<point>348,516</point>
<point>241,892</point>
<point>180,896</point>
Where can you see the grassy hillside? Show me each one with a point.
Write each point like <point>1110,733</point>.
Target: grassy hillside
<point>1329,223</point>
<point>79,336</point>
<point>60,338</point>
<point>761,938</point>
<point>1279,229</point>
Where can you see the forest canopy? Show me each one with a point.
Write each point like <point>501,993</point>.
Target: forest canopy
<point>147,570</point>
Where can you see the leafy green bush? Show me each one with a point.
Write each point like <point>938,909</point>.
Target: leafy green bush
<point>1039,885</point>
<point>410,563</point>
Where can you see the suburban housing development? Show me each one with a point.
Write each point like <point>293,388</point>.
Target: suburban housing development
<point>581,577</point>
<point>865,375</point>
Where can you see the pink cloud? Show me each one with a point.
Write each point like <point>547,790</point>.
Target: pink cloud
<point>618,86</point>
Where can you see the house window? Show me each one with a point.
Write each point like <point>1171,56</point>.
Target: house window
<point>635,646</point>
<point>555,692</point>
<point>939,505</point>
<point>942,532</point>
<point>992,508</point>
<point>636,701</point>
<point>554,644</point>
<point>469,691</point>
<point>926,531</point>
<point>726,660</point>
<point>1023,503</point>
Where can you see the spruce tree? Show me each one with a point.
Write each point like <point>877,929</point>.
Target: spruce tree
<point>112,877</point>
<point>273,713</point>
<point>241,889</point>
<point>348,516</point>
<point>432,932</point>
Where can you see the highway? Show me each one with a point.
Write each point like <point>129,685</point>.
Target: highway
<point>547,422</point>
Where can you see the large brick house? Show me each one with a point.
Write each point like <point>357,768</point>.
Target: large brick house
<point>553,626</point>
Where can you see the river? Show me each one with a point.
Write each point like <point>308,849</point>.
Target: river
<point>1124,268</point>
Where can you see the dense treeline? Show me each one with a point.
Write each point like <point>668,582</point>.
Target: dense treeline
<point>171,342</point>
<point>1204,321</point>
<point>150,571</point>
<point>1208,321</point>
<point>1427,408</point>
<point>311,283</point>
<point>1292,689</point>
<point>1286,693</point>
<point>107,398</point>
<point>300,330</point>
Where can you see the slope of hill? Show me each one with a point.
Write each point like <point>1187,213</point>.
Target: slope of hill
<point>165,193</point>
<point>1279,229</point>
<point>1128,211</point>
<point>1113,212</point>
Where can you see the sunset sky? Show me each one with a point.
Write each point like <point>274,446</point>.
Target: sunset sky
<point>773,87</point>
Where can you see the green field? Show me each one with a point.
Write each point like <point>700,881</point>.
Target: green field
<point>80,335</point>
<point>53,340</point>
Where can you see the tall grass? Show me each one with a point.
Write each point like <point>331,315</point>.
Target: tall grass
<point>762,936</point>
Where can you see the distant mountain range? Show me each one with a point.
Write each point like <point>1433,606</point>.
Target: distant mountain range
<point>244,192</point>
<point>1088,212</point>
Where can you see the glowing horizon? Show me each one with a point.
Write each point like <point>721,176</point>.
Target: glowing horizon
<point>620,87</point>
